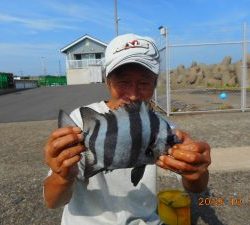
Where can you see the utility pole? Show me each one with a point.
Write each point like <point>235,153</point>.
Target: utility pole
<point>116,18</point>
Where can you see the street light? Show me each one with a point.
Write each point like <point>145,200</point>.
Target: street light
<point>164,32</point>
<point>59,68</point>
<point>44,66</point>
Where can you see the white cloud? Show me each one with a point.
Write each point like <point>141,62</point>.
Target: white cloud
<point>28,50</point>
<point>28,58</point>
<point>38,24</point>
<point>226,18</point>
<point>93,12</point>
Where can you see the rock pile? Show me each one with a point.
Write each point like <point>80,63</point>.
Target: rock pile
<point>224,74</point>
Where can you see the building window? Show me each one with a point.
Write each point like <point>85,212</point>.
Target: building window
<point>98,55</point>
<point>78,56</point>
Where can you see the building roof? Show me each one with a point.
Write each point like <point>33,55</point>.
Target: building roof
<point>86,36</point>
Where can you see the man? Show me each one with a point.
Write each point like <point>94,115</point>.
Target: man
<point>132,67</point>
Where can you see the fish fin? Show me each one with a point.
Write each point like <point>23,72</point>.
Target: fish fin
<point>149,152</point>
<point>172,138</point>
<point>137,174</point>
<point>65,120</point>
<point>88,114</point>
<point>108,170</point>
<point>91,171</point>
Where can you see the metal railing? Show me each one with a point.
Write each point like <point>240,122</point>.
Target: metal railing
<point>79,64</point>
<point>175,96</point>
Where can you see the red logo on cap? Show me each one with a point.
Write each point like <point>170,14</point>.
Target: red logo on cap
<point>132,44</point>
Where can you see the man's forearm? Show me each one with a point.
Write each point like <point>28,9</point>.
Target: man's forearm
<point>196,185</point>
<point>57,192</point>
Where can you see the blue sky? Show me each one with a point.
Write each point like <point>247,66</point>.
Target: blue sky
<point>34,31</point>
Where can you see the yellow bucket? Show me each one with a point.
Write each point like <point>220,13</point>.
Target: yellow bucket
<point>174,207</point>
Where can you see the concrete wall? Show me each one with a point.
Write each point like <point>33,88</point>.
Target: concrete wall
<point>25,84</point>
<point>91,74</point>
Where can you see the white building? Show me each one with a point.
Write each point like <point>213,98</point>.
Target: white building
<point>84,60</point>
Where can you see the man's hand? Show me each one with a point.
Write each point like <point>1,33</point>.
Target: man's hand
<point>190,159</point>
<point>62,151</point>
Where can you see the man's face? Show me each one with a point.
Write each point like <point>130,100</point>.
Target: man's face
<point>131,84</point>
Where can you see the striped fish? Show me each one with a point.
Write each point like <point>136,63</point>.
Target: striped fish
<point>130,137</point>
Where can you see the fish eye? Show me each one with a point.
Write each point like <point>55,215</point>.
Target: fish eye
<point>149,151</point>
<point>152,142</point>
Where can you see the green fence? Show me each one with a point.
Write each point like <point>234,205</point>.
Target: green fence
<point>52,81</point>
<point>3,81</point>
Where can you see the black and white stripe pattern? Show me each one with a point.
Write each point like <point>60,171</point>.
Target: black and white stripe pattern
<point>92,139</point>
<point>124,143</point>
<point>131,136</point>
<point>136,136</point>
<point>110,139</point>
<point>154,128</point>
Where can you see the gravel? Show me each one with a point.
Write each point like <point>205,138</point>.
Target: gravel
<point>22,171</point>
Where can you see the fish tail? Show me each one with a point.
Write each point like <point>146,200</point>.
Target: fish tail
<point>65,120</point>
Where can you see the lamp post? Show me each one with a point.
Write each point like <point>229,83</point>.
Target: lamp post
<point>164,32</point>
<point>44,66</point>
<point>59,68</point>
<point>21,73</point>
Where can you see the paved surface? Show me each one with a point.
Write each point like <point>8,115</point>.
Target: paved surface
<point>203,100</point>
<point>220,130</point>
<point>44,103</point>
<point>22,169</point>
<point>230,159</point>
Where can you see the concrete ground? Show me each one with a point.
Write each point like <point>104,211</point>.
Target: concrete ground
<point>230,159</point>
<point>202,99</point>
<point>22,169</point>
<point>228,194</point>
<point>44,103</point>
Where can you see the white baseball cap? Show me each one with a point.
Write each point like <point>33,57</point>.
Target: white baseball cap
<point>131,48</point>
